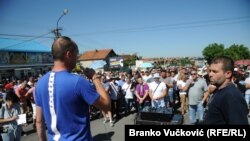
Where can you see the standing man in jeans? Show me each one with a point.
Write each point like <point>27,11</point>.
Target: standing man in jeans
<point>197,86</point>
<point>63,99</point>
<point>157,92</point>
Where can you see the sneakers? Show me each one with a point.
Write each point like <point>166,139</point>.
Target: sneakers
<point>176,101</point>
<point>105,121</point>
<point>111,124</point>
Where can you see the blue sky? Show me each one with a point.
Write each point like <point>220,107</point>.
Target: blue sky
<point>150,28</point>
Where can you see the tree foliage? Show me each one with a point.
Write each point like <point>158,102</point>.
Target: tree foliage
<point>236,52</point>
<point>212,51</point>
<point>131,62</point>
<point>77,68</point>
<point>185,61</point>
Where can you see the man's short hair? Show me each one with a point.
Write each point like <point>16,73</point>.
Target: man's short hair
<point>227,62</point>
<point>61,46</point>
<point>163,70</point>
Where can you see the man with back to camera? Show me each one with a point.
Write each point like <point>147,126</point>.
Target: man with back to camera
<point>63,99</point>
<point>226,105</point>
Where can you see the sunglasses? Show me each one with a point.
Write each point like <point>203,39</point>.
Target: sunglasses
<point>193,73</point>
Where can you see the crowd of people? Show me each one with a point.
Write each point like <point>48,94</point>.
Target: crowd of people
<point>189,87</point>
<point>16,97</point>
<point>216,94</point>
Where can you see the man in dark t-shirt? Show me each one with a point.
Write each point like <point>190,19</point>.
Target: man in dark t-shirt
<point>226,105</point>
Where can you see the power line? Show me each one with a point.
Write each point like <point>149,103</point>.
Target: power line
<point>191,26</point>
<point>25,41</point>
<point>18,35</point>
<point>173,26</point>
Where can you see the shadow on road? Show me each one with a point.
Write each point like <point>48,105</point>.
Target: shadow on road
<point>103,136</point>
<point>30,132</point>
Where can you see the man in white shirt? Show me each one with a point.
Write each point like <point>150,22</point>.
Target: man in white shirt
<point>157,91</point>
<point>128,95</point>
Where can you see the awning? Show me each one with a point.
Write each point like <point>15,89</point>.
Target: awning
<point>22,69</point>
<point>146,65</point>
<point>98,64</point>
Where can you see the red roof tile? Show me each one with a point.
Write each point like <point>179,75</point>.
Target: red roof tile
<point>95,54</point>
<point>126,57</point>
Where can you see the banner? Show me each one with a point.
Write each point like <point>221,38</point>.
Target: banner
<point>116,62</point>
<point>34,58</point>
<point>4,59</point>
<point>18,58</point>
<point>47,58</point>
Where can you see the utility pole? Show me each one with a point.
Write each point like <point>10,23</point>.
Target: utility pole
<point>57,30</point>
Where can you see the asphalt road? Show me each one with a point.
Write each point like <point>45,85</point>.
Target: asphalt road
<point>100,131</point>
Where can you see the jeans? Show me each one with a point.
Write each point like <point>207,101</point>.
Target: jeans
<point>247,98</point>
<point>128,103</point>
<point>12,135</point>
<point>142,105</point>
<point>158,103</point>
<point>171,94</point>
<point>193,109</point>
<point>169,99</point>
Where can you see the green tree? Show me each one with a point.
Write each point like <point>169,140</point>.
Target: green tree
<point>213,50</point>
<point>131,62</point>
<point>77,68</point>
<point>173,63</point>
<point>186,61</point>
<point>237,52</point>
